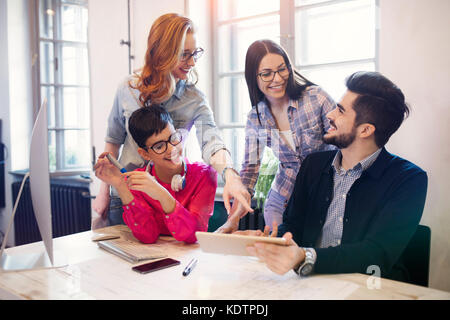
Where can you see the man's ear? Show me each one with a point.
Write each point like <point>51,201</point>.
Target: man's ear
<point>367,130</point>
<point>144,154</point>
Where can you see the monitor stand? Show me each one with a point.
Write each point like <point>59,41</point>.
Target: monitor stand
<point>41,200</point>
<point>31,261</point>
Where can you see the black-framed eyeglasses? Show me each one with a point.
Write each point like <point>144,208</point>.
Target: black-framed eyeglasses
<point>186,56</point>
<point>269,75</point>
<point>161,146</point>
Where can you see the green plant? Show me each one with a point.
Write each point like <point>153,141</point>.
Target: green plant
<point>267,172</point>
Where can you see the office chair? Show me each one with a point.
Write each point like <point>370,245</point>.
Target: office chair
<point>416,256</point>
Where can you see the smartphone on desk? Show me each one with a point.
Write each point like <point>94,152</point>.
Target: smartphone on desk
<point>156,265</point>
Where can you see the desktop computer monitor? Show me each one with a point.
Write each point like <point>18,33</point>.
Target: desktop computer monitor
<point>40,193</point>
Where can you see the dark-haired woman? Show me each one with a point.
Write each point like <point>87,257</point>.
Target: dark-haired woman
<point>288,115</point>
<point>167,196</point>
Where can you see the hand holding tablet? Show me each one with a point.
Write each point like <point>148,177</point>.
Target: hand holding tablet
<point>234,244</point>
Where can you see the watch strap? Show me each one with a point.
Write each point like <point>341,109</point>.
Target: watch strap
<point>310,259</point>
<point>225,169</point>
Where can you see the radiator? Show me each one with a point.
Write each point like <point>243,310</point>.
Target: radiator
<point>71,211</point>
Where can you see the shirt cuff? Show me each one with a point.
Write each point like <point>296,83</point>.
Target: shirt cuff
<point>135,214</point>
<point>181,224</point>
<point>114,140</point>
<point>212,148</point>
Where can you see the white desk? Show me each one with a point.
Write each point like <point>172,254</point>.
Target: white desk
<point>93,273</point>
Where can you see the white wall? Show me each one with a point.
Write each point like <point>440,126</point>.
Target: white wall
<point>143,14</point>
<point>415,54</point>
<point>108,64</point>
<point>4,110</point>
<point>15,94</point>
<point>20,81</point>
<point>199,11</point>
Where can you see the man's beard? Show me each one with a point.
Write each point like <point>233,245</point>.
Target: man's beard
<point>341,141</point>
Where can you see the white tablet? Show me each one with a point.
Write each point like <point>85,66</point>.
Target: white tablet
<point>234,244</point>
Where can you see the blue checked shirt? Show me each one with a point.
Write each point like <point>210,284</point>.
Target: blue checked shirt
<point>308,122</point>
<point>343,180</point>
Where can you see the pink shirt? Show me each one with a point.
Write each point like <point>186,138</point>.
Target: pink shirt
<point>194,206</point>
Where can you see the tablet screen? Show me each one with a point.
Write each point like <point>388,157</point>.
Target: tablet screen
<point>231,243</point>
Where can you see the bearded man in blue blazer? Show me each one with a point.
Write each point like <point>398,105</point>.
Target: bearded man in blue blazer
<point>359,206</point>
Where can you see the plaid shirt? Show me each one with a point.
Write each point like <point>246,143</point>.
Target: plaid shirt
<point>308,122</point>
<point>343,180</point>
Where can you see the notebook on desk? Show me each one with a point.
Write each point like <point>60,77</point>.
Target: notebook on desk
<point>130,250</point>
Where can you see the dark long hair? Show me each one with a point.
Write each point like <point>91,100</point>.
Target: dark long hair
<point>255,53</point>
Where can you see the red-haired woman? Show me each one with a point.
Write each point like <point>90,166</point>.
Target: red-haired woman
<point>168,78</point>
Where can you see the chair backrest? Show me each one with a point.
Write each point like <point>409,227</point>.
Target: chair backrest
<point>416,256</point>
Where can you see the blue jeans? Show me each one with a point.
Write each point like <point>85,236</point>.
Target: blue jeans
<point>274,208</point>
<point>115,214</point>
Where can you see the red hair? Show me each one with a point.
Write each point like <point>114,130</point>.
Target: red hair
<point>164,47</point>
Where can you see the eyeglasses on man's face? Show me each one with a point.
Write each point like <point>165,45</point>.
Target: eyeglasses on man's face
<point>269,75</point>
<point>161,146</point>
<point>186,56</point>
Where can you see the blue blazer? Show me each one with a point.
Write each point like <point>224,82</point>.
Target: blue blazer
<point>382,211</point>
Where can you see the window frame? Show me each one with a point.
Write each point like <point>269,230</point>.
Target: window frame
<point>57,84</point>
<point>337,63</point>
<point>217,76</point>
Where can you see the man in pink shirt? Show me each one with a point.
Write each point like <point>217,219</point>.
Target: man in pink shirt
<point>167,196</point>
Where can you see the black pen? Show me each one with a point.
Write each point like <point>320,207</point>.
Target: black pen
<point>189,267</point>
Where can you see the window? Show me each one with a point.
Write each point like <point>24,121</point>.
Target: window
<point>333,39</point>
<point>64,81</point>
<point>237,25</point>
<point>327,40</point>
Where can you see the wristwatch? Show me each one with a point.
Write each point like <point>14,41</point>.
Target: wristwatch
<point>307,266</point>
<point>225,169</point>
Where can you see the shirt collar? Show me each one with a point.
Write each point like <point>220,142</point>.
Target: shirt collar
<point>293,103</point>
<point>362,165</point>
<point>179,90</point>
<point>367,162</point>
<point>263,104</point>
<point>264,109</point>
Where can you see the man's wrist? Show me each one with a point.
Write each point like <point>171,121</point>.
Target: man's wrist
<point>302,259</point>
<point>306,267</point>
